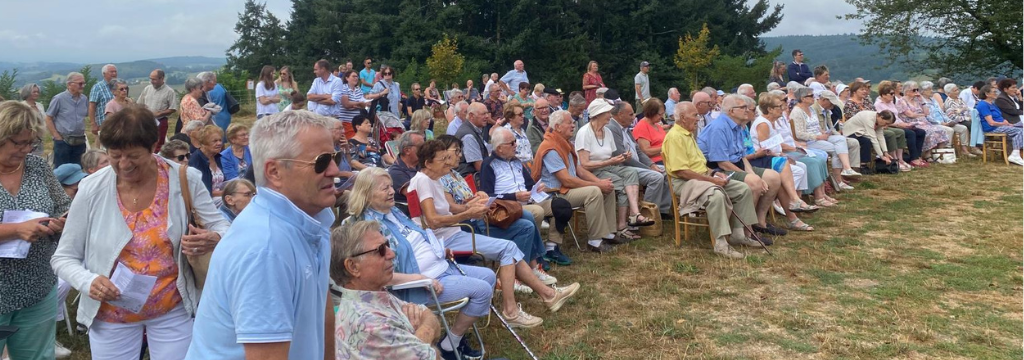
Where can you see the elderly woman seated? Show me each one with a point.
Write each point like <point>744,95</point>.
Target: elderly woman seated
<point>912,110</point>
<point>808,127</point>
<point>960,114</point>
<point>937,115</point>
<point>594,146</point>
<point>436,160</point>
<point>420,255</point>
<point>370,322</point>
<point>237,194</point>
<point>772,122</point>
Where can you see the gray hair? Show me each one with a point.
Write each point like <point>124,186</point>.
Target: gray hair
<point>91,159</point>
<point>681,106</point>
<point>732,100</point>
<point>72,75</point>
<point>207,76</point>
<point>273,137</point>
<point>793,86</point>
<point>773,86</point>
<point>577,101</point>
<point>911,84</point>
<point>749,100</point>
<point>942,82</point>
<point>193,126</point>
<point>461,106</point>
<point>710,91</point>
<point>739,90</point>
<point>777,92</point>
<point>405,140</point>
<point>106,68</point>
<point>192,83</point>
<point>500,136</point>
<point>347,241</point>
<point>26,90</point>
<point>362,189</point>
<point>619,107</point>
<point>801,92</point>
<point>926,85</point>
<point>118,81</point>
<point>453,93</point>
<point>949,87</point>
<point>558,117</point>
<point>672,90</point>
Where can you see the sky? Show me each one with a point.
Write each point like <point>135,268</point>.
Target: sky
<point>95,31</point>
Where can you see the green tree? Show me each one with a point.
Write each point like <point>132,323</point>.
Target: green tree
<point>89,79</point>
<point>261,40</point>
<point>694,56</point>
<point>976,38</point>
<point>729,71</point>
<point>445,62</point>
<point>48,89</point>
<point>7,79</point>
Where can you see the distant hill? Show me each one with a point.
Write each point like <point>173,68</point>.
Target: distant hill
<point>845,57</point>
<point>178,68</point>
<point>190,61</point>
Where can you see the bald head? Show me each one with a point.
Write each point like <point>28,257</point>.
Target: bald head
<point>686,115</point>
<point>702,101</point>
<point>518,65</point>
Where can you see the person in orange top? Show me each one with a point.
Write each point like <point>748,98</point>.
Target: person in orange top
<point>649,132</point>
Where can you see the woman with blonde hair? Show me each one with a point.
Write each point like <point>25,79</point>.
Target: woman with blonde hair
<point>207,159</point>
<point>778,73</point>
<point>236,157</point>
<point>420,121</point>
<point>592,81</point>
<point>286,85</point>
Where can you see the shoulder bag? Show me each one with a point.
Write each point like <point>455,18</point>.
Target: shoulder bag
<point>503,213</point>
<point>200,263</point>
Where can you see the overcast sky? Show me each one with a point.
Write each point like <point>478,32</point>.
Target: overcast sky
<point>96,31</point>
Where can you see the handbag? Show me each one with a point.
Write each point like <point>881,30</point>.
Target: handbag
<point>891,168</point>
<point>503,213</point>
<point>944,156</point>
<point>200,263</point>
<point>232,103</point>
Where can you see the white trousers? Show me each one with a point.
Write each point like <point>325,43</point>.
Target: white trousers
<point>799,170</point>
<point>168,337</point>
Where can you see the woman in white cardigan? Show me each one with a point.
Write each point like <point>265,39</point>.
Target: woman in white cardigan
<point>131,216</point>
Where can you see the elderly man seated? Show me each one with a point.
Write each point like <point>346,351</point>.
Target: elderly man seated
<point>504,176</point>
<point>722,143</point>
<point>558,167</point>
<point>696,185</point>
<point>370,322</point>
<point>652,177</point>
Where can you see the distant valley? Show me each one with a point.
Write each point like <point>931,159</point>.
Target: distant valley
<point>178,69</point>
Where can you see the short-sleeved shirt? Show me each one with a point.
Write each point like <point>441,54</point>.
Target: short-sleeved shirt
<point>69,113</point>
<point>986,108</point>
<point>508,176</point>
<point>682,153</point>
<point>645,85</point>
<point>267,283</point>
<point>523,150</point>
<point>400,176</point>
<point>372,325</point>
<point>394,96</point>
<point>453,126</point>
<point>366,154</point>
<point>722,140</point>
<point>600,150</point>
<point>369,76</point>
<point>112,107</point>
<point>512,78</point>
<point>553,164</point>
<point>331,86</point>
<point>158,99</point>
<point>353,95</point>
<point>190,110</point>
<point>655,135</point>
<point>100,95</point>
<point>426,188</point>
<point>471,149</point>
<point>261,90</point>
<point>415,103</point>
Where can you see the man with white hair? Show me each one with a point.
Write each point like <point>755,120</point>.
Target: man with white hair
<point>461,108</point>
<point>673,99</point>
<point>100,95</point>
<point>510,82</point>
<point>471,132</point>
<point>266,296</point>
<point>747,90</point>
<point>704,104</point>
<point>217,94</point>
<point>650,175</point>
<point>65,120</point>
<point>558,167</point>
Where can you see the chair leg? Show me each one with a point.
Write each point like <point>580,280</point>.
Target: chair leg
<point>67,318</point>
<point>678,240</point>
<point>574,238</point>
<point>984,151</point>
<point>444,321</point>
<point>1006,155</point>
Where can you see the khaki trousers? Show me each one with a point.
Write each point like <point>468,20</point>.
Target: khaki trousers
<point>720,221</point>
<point>599,207</point>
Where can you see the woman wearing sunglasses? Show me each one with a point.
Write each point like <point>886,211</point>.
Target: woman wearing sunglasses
<point>132,217</point>
<point>176,151</point>
<point>419,255</point>
<point>914,112</point>
<point>237,194</point>
<point>121,99</point>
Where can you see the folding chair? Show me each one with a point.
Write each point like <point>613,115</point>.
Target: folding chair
<point>699,218</point>
<point>415,212</point>
<point>442,308</point>
<point>576,210</point>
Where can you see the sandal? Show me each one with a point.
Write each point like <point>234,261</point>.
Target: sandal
<point>801,206</point>
<point>799,225</point>
<point>824,203</point>
<point>627,235</point>
<point>639,220</point>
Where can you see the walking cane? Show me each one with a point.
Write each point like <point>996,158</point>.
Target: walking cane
<point>747,227</point>
<point>498,314</point>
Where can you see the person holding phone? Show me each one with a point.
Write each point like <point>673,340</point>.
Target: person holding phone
<point>132,214</point>
<point>28,286</point>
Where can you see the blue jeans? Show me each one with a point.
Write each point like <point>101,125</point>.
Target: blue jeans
<point>64,153</point>
<point>37,329</point>
<point>523,232</point>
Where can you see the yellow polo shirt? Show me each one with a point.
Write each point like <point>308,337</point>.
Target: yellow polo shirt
<point>680,152</point>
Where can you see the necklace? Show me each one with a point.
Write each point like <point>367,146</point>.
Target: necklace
<point>600,139</point>
<point>12,171</point>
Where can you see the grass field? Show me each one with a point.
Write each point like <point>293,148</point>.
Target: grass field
<point>925,264</point>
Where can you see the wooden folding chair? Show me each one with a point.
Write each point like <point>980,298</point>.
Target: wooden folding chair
<point>699,218</point>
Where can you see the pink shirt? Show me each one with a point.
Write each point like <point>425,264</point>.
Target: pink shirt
<point>655,135</point>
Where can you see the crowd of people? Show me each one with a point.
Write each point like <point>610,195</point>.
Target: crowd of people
<point>315,214</point>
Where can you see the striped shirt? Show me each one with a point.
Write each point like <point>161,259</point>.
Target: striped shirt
<point>332,86</point>
<point>354,95</point>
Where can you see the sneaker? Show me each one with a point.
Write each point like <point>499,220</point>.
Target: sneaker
<point>60,351</point>
<point>845,186</point>
<point>467,351</point>
<point>561,295</point>
<point>1015,160</point>
<point>544,225</point>
<point>445,354</point>
<point>556,256</point>
<point>849,172</point>
<point>603,248</point>
<point>544,277</point>
<point>522,289</point>
<point>723,249</point>
<point>543,264</point>
<point>522,320</point>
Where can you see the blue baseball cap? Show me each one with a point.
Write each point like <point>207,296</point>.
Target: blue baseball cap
<point>69,174</point>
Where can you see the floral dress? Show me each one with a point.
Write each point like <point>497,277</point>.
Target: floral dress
<point>286,97</point>
<point>851,107</point>
<point>935,133</point>
<point>455,184</point>
<point>935,114</point>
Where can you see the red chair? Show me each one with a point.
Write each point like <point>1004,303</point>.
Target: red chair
<point>472,183</point>
<point>416,212</point>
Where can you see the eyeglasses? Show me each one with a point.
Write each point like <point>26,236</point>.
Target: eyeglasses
<point>23,144</point>
<point>457,151</point>
<point>415,89</point>
<point>517,114</point>
<point>388,73</point>
<point>914,90</point>
<point>123,89</point>
<point>79,83</point>
<point>808,96</point>
<point>513,143</point>
<point>246,193</point>
<point>320,162</point>
<point>381,250</point>
<point>183,157</point>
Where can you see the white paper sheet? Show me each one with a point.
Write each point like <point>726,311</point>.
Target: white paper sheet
<point>18,249</point>
<point>135,288</point>
<point>772,142</point>
<point>538,196</point>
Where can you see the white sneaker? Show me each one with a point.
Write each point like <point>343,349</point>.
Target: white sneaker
<point>522,289</point>
<point>1016,160</point>
<point>60,351</point>
<point>544,225</point>
<point>849,172</point>
<point>845,186</point>
<point>522,320</point>
<point>544,277</point>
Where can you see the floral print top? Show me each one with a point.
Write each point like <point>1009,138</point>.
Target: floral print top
<point>149,252</point>
<point>455,184</point>
<point>371,325</point>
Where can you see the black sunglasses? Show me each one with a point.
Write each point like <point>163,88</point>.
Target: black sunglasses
<point>184,157</point>
<point>321,162</point>
<point>381,250</point>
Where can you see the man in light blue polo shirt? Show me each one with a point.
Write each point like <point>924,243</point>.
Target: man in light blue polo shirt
<point>266,295</point>
<point>510,82</point>
<point>324,96</point>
